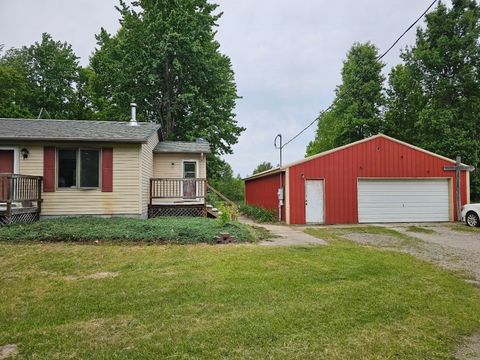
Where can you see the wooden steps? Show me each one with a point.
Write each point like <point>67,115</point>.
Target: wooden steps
<point>212,212</point>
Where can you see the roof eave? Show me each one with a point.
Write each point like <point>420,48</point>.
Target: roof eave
<point>43,139</point>
<point>180,152</point>
<point>265,173</point>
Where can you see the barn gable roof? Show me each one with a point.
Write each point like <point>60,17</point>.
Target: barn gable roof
<point>283,168</point>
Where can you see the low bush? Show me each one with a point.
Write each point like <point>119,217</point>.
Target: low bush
<point>163,230</point>
<point>228,214</point>
<point>259,214</point>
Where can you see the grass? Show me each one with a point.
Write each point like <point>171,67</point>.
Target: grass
<point>420,229</point>
<point>163,230</point>
<point>340,301</point>
<point>259,214</point>
<point>464,228</point>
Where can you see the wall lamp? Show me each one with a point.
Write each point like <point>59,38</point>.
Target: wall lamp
<point>24,153</point>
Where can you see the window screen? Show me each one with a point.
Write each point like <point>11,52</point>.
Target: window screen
<point>189,169</point>
<point>89,168</point>
<point>67,168</point>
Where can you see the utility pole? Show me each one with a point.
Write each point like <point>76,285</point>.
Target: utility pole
<point>281,193</point>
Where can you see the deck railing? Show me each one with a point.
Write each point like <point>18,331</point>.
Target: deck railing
<point>16,188</point>
<point>182,189</point>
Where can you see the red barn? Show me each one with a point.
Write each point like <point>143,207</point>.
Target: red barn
<point>375,180</point>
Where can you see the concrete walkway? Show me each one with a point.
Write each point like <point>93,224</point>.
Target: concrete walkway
<point>285,235</point>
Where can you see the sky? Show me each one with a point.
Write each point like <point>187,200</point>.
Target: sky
<point>287,54</point>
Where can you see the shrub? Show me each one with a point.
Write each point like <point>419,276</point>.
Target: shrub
<point>228,214</point>
<point>163,230</point>
<point>259,214</point>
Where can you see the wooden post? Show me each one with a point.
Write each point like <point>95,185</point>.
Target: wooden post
<point>39,194</point>
<point>151,191</point>
<point>458,173</point>
<point>9,197</point>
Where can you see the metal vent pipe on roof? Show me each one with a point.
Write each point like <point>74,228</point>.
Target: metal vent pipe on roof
<point>133,119</point>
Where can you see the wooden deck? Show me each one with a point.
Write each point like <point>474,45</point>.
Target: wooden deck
<point>20,198</point>
<point>177,197</point>
<point>183,197</point>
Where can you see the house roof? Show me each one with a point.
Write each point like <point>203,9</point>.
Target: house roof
<point>199,146</point>
<point>76,130</point>
<point>283,168</point>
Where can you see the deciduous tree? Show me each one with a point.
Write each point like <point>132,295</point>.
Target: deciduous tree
<point>264,166</point>
<point>434,97</point>
<point>356,113</point>
<point>166,59</point>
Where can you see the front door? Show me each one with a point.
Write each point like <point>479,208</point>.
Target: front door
<point>314,201</point>
<point>6,167</point>
<point>189,174</point>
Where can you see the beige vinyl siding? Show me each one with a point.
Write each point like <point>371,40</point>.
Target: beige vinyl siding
<point>170,165</point>
<point>124,200</point>
<point>146,171</point>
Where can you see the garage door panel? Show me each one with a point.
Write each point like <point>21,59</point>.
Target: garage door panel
<point>403,200</point>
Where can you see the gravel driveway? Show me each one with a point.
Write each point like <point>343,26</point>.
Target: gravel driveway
<point>450,246</point>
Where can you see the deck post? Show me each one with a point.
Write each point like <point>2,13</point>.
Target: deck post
<point>9,197</point>
<point>151,191</point>
<point>39,195</point>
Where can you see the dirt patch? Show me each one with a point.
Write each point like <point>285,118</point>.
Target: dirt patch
<point>8,351</point>
<point>470,350</point>
<point>102,275</point>
<point>374,239</point>
<point>94,276</point>
<point>117,330</point>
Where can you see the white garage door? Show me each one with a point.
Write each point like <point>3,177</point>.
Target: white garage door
<point>403,200</point>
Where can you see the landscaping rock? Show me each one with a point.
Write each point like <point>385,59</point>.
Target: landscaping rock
<point>8,351</point>
<point>225,238</point>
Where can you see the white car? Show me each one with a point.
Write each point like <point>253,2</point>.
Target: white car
<point>471,214</point>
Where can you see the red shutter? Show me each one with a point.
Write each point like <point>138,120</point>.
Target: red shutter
<point>49,153</point>
<point>107,170</point>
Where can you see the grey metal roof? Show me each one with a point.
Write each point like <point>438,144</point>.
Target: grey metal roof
<point>199,146</point>
<point>76,130</point>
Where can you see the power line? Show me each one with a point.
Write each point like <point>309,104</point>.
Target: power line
<point>378,59</point>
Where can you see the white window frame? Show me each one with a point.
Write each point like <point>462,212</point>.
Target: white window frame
<point>79,169</point>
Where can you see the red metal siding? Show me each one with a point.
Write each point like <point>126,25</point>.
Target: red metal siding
<point>262,192</point>
<point>378,158</point>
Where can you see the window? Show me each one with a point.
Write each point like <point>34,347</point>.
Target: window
<point>189,169</point>
<point>78,168</point>
<point>67,168</point>
<point>89,168</point>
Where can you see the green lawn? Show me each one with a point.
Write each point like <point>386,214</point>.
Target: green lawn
<point>186,230</point>
<point>341,301</point>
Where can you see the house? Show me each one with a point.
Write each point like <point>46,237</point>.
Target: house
<point>56,168</point>
<point>375,180</point>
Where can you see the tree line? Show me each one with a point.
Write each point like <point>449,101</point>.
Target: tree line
<point>431,99</point>
<point>164,57</point>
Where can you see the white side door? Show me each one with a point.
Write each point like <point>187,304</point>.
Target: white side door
<point>314,201</point>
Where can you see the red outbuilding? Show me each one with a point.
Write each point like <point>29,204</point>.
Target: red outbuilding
<point>375,180</point>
